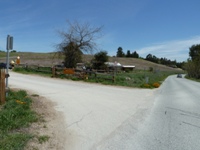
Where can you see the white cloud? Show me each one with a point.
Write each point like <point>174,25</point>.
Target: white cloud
<point>178,49</point>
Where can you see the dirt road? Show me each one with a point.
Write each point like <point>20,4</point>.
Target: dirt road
<point>92,113</point>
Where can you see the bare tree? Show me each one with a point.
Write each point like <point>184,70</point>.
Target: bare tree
<point>78,39</point>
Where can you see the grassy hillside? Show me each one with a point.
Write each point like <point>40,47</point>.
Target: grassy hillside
<point>50,59</point>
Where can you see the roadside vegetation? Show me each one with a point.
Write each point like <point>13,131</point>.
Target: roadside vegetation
<point>193,64</point>
<point>16,116</point>
<point>135,78</point>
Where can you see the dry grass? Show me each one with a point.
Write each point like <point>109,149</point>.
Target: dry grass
<point>50,59</point>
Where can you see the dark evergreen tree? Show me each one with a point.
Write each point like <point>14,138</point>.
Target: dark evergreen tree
<point>135,54</point>
<point>128,54</point>
<point>120,52</point>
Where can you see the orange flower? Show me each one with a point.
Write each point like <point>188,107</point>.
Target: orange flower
<point>20,102</point>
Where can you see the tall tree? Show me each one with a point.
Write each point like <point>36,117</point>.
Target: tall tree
<point>149,57</point>
<point>72,54</point>
<point>120,52</point>
<point>78,39</point>
<point>135,54</point>
<point>194,52</point>
<point>193,64</point>
<point>99,60</point>
<point>128,54</point>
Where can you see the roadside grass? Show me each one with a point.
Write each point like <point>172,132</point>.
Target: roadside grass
<point>193,79</point>
<point>135,78</point>
<point>33,71</point>
<point>43,139</point>
<point>15,116</point>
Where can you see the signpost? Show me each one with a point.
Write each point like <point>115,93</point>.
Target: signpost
<point>9,46</point>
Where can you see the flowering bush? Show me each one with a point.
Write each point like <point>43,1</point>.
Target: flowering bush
<point>156,84</point>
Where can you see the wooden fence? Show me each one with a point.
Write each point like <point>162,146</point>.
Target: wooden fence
<point>82,74</point>
<point>2,86</point>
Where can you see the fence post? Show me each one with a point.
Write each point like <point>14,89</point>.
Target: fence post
<point>2,86</point>
<point>53,72</point>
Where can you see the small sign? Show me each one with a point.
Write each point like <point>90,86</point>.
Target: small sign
<point>68,71</point>
<point>9,45</point>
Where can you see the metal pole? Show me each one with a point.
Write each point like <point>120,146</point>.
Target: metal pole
<point>9,46</point>
<point>7,67</point>
<point>7,63</point>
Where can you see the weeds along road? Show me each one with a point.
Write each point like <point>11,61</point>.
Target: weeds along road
<point>93,114</point>
<point>98,117</point>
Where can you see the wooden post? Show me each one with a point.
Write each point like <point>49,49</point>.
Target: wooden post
<point>113,78</point>
<point>53,72</point>
<point>2,86</point>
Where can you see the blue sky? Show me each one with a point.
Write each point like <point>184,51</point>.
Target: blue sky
<point>164,28</point>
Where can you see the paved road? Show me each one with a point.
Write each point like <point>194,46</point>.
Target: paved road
<point>173,124</point>
<point>113,118</point>
<point>93,114</point>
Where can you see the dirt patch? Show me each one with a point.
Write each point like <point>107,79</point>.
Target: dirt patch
<point>49,131</point>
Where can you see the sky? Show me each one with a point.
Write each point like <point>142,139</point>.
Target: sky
<point>164,28</point>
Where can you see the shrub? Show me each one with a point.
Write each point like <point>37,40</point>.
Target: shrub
<point>146,85</point>
<point>156,84</point>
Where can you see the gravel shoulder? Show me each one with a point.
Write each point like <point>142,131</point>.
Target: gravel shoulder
<point>50,126</point>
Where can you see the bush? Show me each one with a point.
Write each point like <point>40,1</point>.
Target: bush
<point>146,85</point>
<point>156,85</point>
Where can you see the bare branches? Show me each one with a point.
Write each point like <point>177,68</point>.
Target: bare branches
<point>84,35</point>
<point>79,38</point>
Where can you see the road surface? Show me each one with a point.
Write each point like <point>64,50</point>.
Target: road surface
<point>93,113</point>
<point>173,124</point>
<point>100,117</point>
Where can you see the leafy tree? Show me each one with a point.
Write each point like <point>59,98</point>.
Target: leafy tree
<point>194,52</point>
<point>193,64</point>
<point>152,58</point>
<point>193,69</point>
<point>120,52</point>
<point>79,38</point>
<point>155,59</point>
<point>99,60</point>
<point>149,57</point>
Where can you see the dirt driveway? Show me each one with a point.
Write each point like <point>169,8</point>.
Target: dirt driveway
<point>86,116</point>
